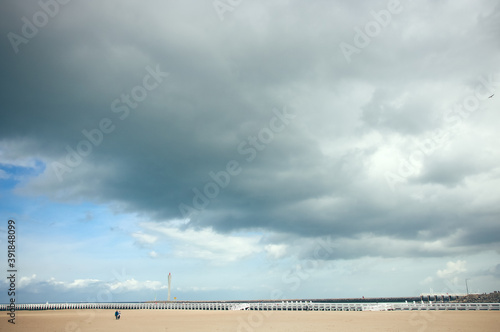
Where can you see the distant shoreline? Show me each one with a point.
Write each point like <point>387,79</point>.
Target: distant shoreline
<point>331,300</point>
<point>472,298</point>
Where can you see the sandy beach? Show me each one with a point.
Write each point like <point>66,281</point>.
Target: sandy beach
<point>244,321</point>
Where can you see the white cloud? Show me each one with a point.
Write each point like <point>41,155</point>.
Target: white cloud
<point>206,243</point>
<point>276,250</point>
<point>451,269</point>
<point>134,285</point>
<point>25,281</point>
<point>126,285</point>
<point>77,283</point>
<point>144,239</point>
<point>52,281</point>
<point>81,283</point>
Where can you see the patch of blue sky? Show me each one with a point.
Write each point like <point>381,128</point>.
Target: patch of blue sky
<point>69,246</point>
<point>11,175</point>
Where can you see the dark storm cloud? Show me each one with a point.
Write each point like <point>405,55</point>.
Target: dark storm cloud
<point>225,82</point>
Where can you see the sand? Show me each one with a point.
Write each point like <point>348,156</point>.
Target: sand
<point>245,321</point>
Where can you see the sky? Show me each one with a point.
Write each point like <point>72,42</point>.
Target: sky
<point>254,149</point>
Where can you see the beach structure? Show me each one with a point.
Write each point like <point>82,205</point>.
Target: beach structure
<point>264,306</point>
<point>169,284</point>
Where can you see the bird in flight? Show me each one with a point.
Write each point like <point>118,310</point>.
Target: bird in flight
<point>491,96</point>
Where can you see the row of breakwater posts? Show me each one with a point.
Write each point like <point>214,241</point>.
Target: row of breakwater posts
<point>265,306</point>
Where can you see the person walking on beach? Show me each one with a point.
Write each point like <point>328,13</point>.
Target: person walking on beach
<point>117,314</point>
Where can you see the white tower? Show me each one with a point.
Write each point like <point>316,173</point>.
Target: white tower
<point>169,283</point>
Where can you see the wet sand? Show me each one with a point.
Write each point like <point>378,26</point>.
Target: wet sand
<point>245,321</point>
